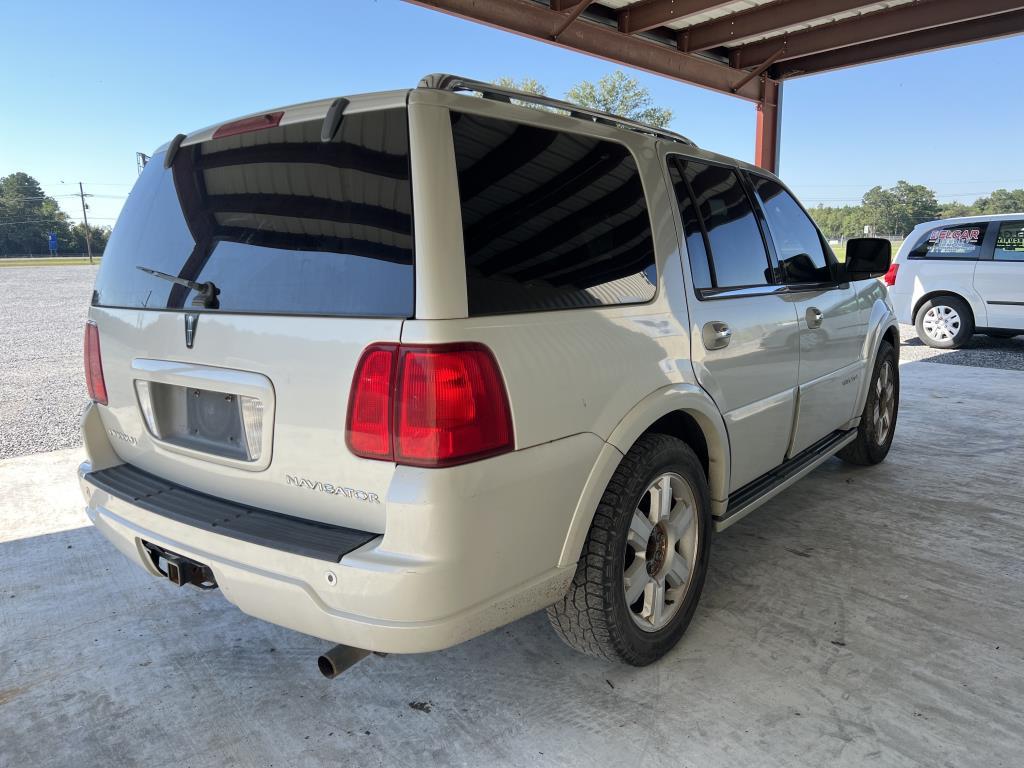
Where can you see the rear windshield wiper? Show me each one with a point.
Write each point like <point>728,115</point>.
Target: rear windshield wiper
<point>206,292</point>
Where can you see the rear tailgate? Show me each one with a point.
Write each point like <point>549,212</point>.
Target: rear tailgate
<point>310,246</point>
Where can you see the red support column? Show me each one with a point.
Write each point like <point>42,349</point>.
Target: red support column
<point>769,126</point>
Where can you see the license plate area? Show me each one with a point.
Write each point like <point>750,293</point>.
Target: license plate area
<point>210,421</point>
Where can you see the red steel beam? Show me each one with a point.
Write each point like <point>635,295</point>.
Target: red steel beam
<point>531,19</point>
<point>988,28</point>
<point>759,20</point>
<point>873,26</point>
<point>648,14</point>
<point>769,126</point>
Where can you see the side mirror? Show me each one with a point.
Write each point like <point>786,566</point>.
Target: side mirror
<point>867,257</point>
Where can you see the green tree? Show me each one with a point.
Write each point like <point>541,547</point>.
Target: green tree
<point>897,210</point>
<point>527,84</point>
<point>954,209</point>
<point>620,94</point>
<point>1000,201</point>
<point>28,215</point>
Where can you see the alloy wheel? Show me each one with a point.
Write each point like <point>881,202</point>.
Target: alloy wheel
<point>661,552</point>
<point>885,402</point>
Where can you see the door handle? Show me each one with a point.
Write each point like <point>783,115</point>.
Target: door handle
<point>716,335</point>
<point>814,317</point>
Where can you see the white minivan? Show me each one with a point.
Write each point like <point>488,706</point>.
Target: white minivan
<point>957,277</point>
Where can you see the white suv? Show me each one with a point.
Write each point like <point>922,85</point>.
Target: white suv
<point>400,368</point>
<point>957,277</point>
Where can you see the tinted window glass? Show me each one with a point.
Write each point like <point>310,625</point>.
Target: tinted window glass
<point>696,248</point>
<point>798,245</point>
<point>1010,241</point>
<point>962,241</point>
<point>550,220</point>
<point>278,220</point>
<point>737,250</point>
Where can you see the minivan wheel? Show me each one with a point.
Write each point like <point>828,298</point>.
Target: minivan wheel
<point>944,322</point>
<point>878,420</point>
<point>643,564</point>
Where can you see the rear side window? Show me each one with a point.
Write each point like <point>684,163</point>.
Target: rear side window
<point>1010,242</point>
<point>693,230</point>
<point>798,246</point>
<point>279,221</point>
<point>738,254</point>
<point>962,241</point>
<point>551,220</point>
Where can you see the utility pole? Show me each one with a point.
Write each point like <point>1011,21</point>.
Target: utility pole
<point>85,220</point>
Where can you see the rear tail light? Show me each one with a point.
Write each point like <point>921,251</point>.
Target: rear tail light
<point>890,276</point>
<point>368,430</point>
<point>94,365</point>
<point>429,406</point>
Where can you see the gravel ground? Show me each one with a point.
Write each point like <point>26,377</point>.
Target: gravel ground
<point>42,313</point>
<point>44,308</point>
<point>981,351</point>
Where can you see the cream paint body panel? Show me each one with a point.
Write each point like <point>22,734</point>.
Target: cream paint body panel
<point>466,549</point>
<point>830,362</point>
<point>1001,286</point>
<point>753,380</point>
<point>309,363</point>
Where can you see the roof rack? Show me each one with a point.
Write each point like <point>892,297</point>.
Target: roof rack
<point>444,82</point>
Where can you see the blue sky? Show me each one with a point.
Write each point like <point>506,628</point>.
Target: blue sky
<point>86,85</point>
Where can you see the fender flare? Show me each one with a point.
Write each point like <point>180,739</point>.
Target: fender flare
<point>676,397</point>
<point>880,320</point>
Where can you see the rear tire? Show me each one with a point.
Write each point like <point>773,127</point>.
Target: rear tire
<point>642,569</point>
<point>878,421</point>
<point>944,322</point>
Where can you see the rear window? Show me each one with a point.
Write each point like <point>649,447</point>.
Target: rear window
<point>550,220</point>
<point>279,221</point>
<point>962,241</point>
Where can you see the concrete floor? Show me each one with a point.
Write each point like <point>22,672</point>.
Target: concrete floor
<point>864,617</point>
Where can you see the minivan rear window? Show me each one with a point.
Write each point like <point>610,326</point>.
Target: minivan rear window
<point>279,221</point>
<point>551,220</point>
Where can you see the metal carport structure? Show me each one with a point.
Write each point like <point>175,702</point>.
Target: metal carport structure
<point>747,48</point>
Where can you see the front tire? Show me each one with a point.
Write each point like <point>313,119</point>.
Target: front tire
<point>878,420</point>
<point>945,322</point>
<point>642,569</point>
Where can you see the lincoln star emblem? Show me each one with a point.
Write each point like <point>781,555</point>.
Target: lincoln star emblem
<point>191,321</point>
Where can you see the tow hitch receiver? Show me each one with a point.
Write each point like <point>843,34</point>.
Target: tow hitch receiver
<point>179,569</point>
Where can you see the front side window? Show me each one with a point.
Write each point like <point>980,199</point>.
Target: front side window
<point>551,220</point>
<point>737,250</point>
<point>1010,242</point>
<point>798,246</point>
<point>962,241</point>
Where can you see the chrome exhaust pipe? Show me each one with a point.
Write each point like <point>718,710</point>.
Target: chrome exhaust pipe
<point>338,659</point>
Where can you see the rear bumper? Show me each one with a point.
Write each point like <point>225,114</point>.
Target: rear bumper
<point>466,549</point>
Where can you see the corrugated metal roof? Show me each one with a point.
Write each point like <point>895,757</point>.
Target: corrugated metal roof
<point>729,9</point>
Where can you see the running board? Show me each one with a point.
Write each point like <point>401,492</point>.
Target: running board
<point>757,492</point>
